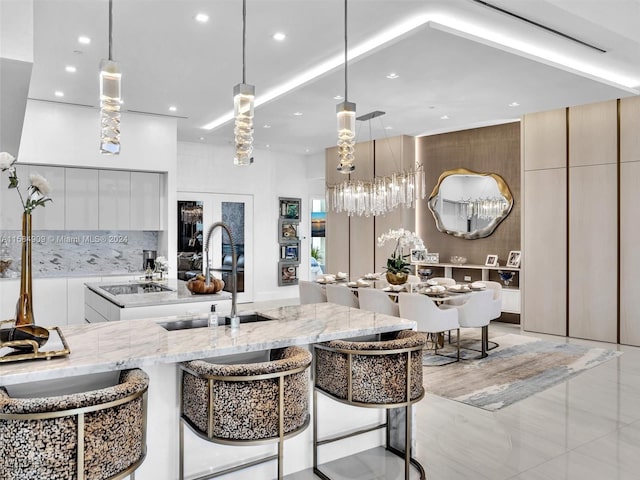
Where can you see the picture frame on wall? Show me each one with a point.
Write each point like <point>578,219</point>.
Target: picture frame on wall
<point>289,231</point>
<point>431,258</point>
<point>418,255</point>
<point>514,259</point>
<point>290,208</point>
<point>492,261</point>
<point>288,274</point>
<point>290,252</point>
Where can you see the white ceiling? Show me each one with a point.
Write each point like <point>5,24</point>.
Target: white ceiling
<point>444,67</point>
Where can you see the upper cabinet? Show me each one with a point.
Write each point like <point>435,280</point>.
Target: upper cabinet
<point>114,199</point>
<point>145,201</point>
<point>81,199</point>
<point>51,217</point>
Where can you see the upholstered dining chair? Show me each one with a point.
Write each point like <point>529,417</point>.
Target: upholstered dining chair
<point>311,292</point>
<point>376,300</point>
<point>476,313</point>
<point>429,317</point>
<point>342,296</point>
<point>496,301</point>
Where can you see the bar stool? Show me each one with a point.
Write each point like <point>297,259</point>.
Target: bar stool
<point>380,374</point>
<point>93,435</point>
<point>218,403</point>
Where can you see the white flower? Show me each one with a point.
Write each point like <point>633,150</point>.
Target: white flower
<point>41,183</point>
<point>6,160</point>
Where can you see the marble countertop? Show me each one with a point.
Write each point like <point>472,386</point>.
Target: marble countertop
<point>108,346</point>
<point>178,294</point>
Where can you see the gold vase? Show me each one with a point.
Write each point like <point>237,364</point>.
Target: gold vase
<point>24,308</point>
<point>399,278</point>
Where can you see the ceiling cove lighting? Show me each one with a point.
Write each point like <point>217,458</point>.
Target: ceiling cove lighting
<point>243,106</point>
<point>110,98</point>
<point>346,116</point>
<point>455,26</point>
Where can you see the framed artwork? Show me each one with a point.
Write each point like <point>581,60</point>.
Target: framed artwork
<point>431,258</point>
<point>492,261</point>
<point>290,252</point>
<point>514,259</point>
<point>288,273</point>
<point>289,231</point>
<point>290,208</point>
<point>318,224</point>
<point>418,255</point>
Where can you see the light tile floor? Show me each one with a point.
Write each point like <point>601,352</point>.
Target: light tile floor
<point>584,429</point>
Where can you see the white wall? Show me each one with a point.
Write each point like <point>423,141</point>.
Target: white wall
<point>209,168</point>
<point>68,135</point>
<point>16,30</point>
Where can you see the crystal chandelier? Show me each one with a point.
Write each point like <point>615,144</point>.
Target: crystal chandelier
<point>110,98</point>
<point>243,105</point>
<point>378,196</point>
<point>346,113</point>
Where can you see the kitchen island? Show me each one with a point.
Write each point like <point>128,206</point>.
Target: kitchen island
<point>110,346</point>
<point>107,302</point>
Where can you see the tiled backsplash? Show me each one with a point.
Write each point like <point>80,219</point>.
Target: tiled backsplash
<point>64,253</point>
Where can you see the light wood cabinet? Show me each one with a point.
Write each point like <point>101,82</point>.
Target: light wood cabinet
<point>145,201</point>
<point>81,199</point>
<point>114,199</point>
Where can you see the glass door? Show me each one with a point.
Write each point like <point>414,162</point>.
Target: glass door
<point>234,210</point>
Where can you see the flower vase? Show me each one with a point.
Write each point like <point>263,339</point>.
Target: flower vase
<point>24,308</point>
<point>399,278</point>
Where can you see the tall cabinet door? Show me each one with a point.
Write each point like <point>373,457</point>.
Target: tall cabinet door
<point>145,201</point>
<point>81,199</point>
<point>52,216</point>
<point>593,252</point>
<point>544,226</point>
<point>115,202</point>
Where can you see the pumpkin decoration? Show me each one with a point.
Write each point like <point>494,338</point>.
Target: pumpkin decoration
<point>198,285</point>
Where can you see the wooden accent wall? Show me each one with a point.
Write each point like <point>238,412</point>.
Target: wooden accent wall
<point>493,149</point>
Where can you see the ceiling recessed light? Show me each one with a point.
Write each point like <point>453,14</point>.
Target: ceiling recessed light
<point>338,97</point>
<point>84,40</point>
<point>70,69</point>
<point>514,104</point>
<point>266,126</point>
<point>201,138</point>
<point>306,150</point>
<point>202,18</point>
<point>172,108</point>
<point>297,114</point>
<point>279,36</point>
<point>444,117</point>
<point>388,127</point>
<point>58,93</point>
<point>393,76</point>
<point>267,145</point>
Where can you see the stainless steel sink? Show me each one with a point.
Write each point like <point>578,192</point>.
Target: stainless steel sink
<point>202,322</point>
<point>134,288</point>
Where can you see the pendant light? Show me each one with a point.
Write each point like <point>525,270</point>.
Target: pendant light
<point>346,113</point>
<point>110,98</point>
<point>243,99</point>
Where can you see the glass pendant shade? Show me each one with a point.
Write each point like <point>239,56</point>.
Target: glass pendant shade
<point>110,100</point>
<point>346,113</point>
<point>243,98</point>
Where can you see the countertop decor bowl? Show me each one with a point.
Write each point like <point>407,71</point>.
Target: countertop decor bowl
<point>199,285</point>
<point>458,260</point>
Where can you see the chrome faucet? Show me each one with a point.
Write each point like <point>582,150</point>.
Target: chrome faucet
<point>234,264</point>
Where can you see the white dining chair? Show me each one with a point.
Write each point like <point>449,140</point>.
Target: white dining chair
<point>342,296</point>
<point>311,292</point>
<point>429,317</point>
<point>496,301</point>
<point>476,313</point>
<point>376,300</point>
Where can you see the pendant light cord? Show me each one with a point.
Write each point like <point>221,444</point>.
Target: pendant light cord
<point>345,50</point>
<point>110,29</point>
<point>244,36</point>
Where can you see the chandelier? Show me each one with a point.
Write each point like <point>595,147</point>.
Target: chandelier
<point>346,115</point>
<point>243,106</point>
<point>110,98</point>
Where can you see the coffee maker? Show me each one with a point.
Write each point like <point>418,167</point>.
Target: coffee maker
<point>148,260</point>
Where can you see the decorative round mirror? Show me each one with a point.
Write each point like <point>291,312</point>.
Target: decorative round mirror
<point>468,204</point>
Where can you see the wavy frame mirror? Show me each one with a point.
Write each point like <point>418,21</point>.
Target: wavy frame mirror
<point>468,204</point>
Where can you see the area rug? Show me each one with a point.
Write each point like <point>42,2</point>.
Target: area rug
<point>521,366</point>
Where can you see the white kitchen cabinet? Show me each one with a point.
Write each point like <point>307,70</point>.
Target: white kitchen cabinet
<point>9,291</point>
<point>81,199</point>
<point>75,299</point>
<point>145,201</point>
<point>10,206</point>
<point>51,217</point>
<point>114,199</point>
<point>50,301</point>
